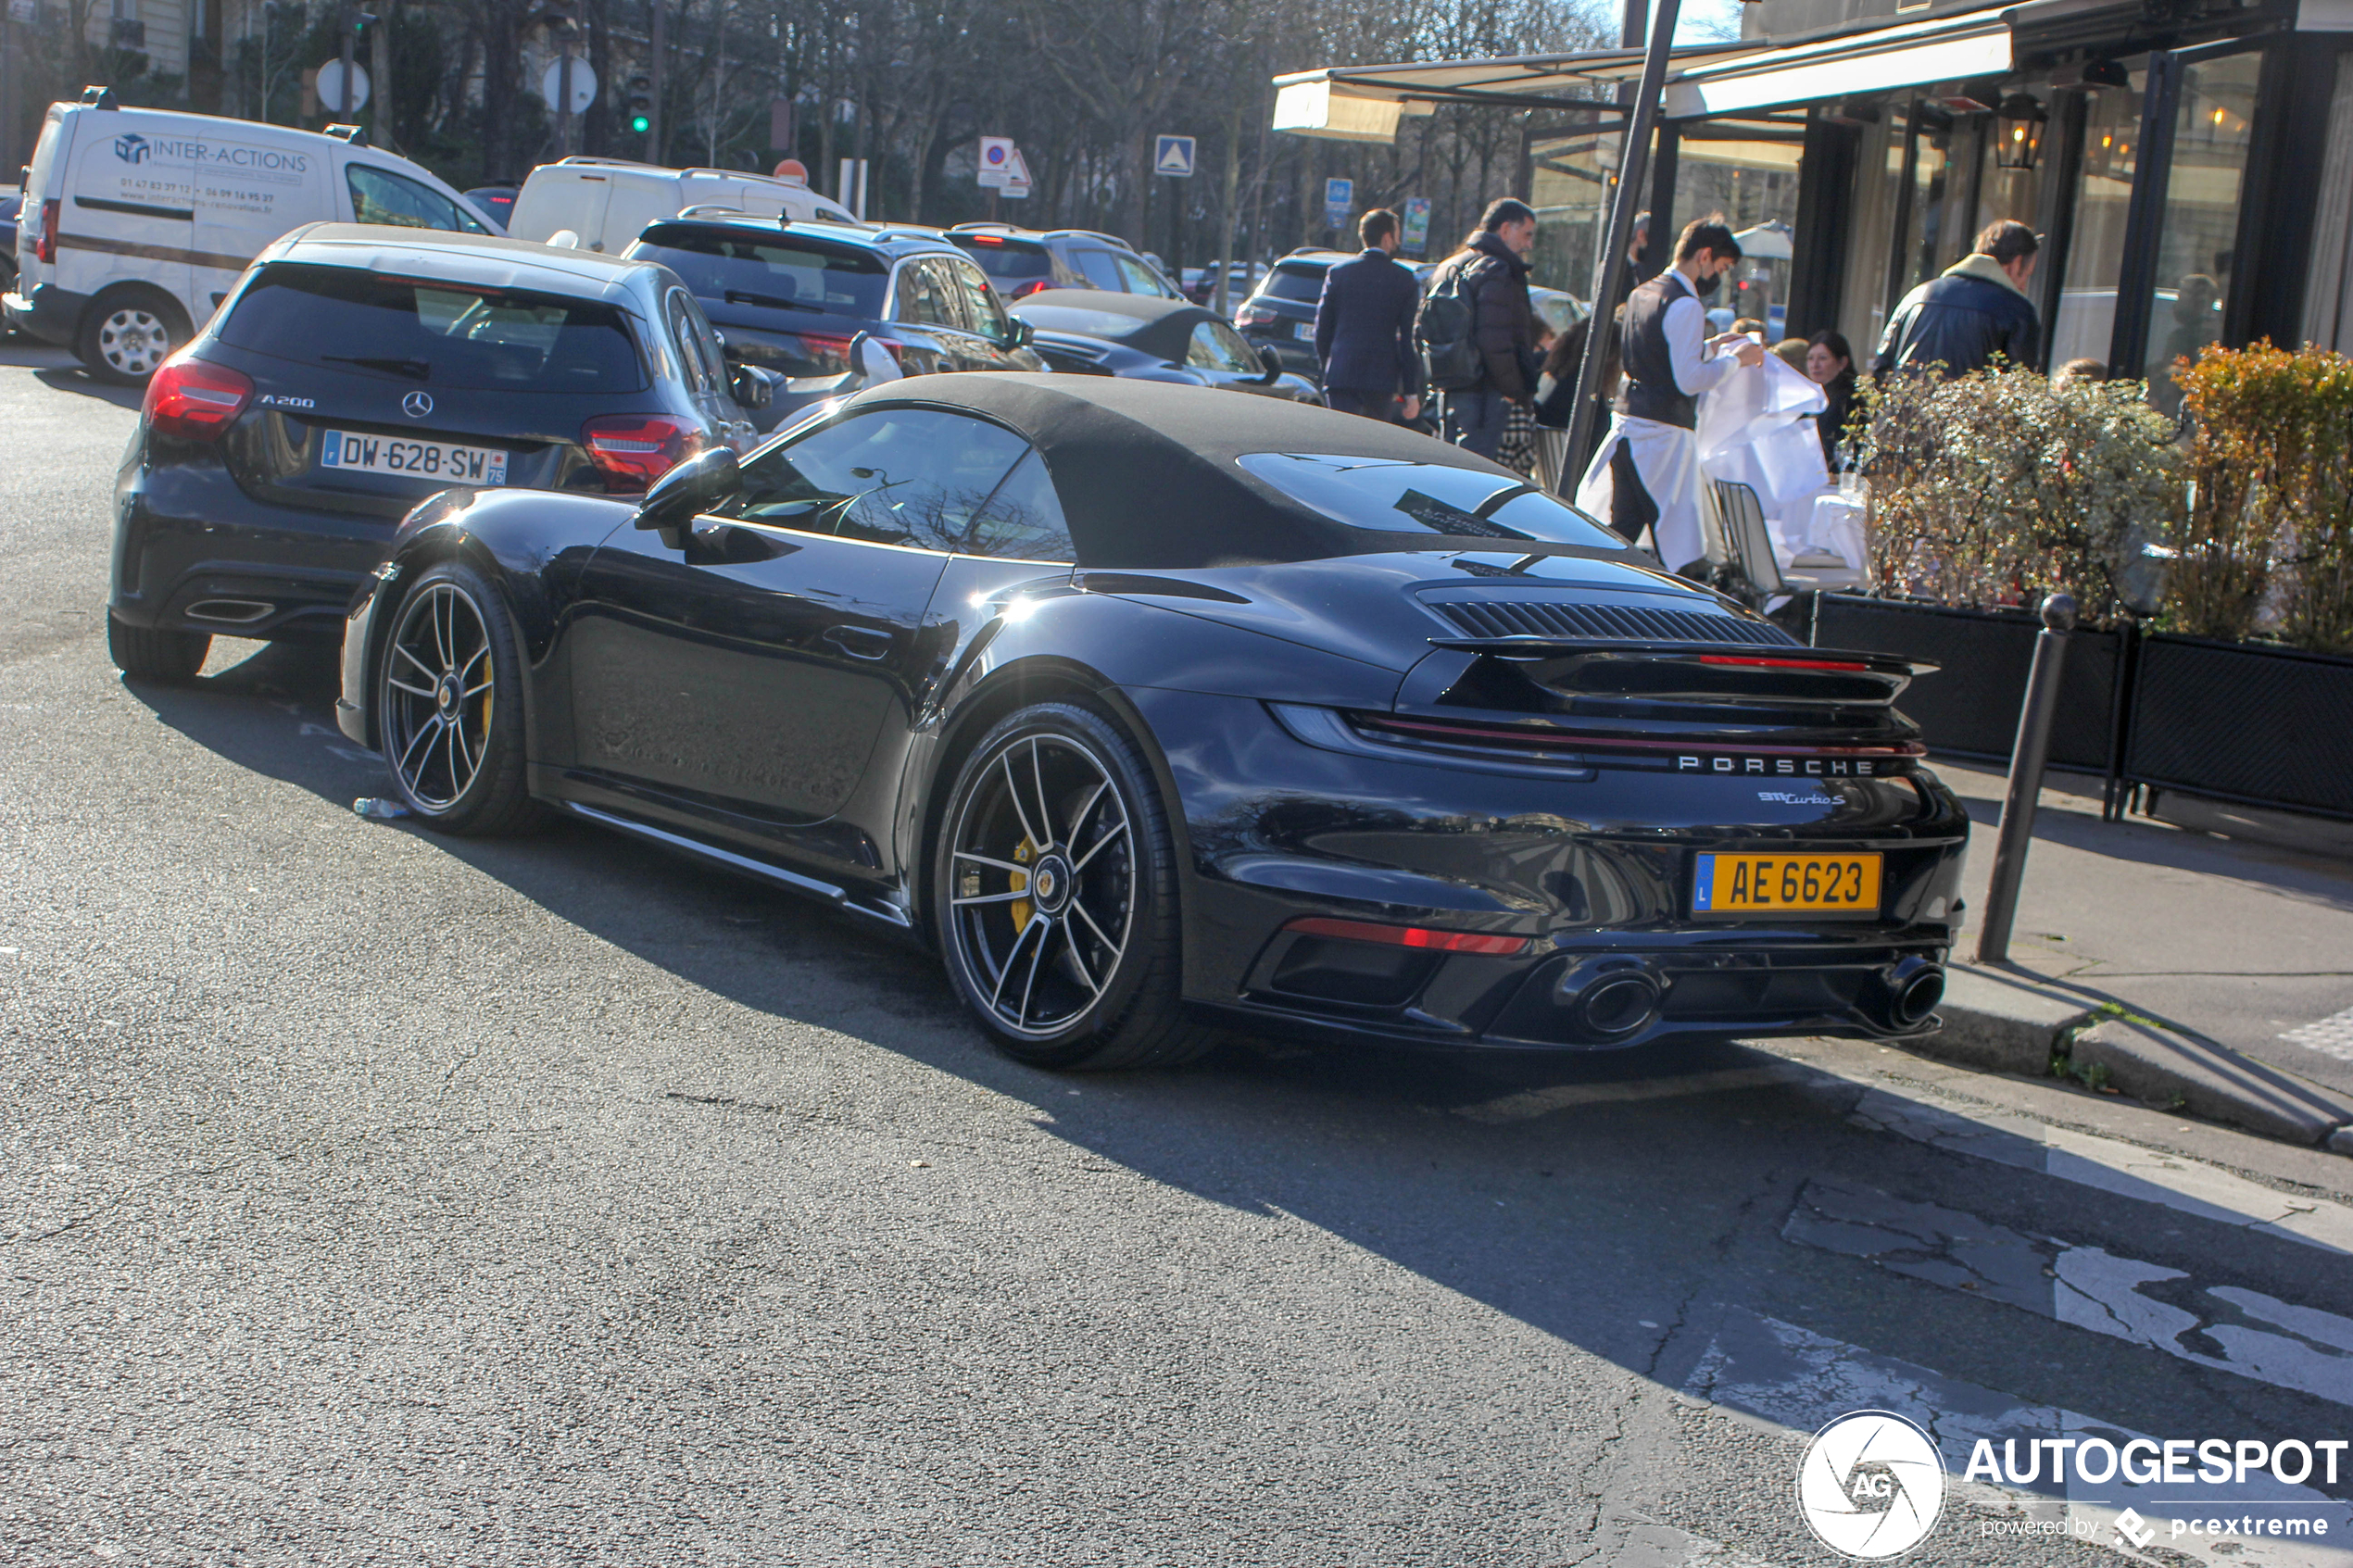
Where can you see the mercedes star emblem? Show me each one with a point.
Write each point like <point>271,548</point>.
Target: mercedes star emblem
<point>417,404</point>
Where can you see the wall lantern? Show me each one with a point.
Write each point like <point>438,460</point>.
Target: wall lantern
<point>2017,130</point>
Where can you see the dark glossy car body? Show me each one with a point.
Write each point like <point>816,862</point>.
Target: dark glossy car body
<point>228,519</point>
<point>1428,779</point>
<point>1024,261</point>
<point>1086,331</point>
<point>792,297</point>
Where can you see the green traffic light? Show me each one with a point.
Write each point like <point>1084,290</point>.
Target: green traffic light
<point>640,123</point>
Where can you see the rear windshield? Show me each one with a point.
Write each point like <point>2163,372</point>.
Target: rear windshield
<point>1400,497</point>
<point>1006,261</point>
<point>1305,284</point>
<point>782,274</point>
<point>434,334</point>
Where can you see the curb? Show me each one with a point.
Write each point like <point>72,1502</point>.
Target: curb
<point>2003,1021</point>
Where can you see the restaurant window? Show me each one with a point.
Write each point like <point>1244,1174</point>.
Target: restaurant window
<point>1574,179</point>
<point>1879,172</point>
<point>2086,318</point>
<point>1748,172</point>
<point>2197,240</point>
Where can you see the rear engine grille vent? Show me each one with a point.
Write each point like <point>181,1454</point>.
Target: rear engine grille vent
<point>1615,623</point>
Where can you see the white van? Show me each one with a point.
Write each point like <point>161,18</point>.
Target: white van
<point>608,201</point>
<point>136,223</point>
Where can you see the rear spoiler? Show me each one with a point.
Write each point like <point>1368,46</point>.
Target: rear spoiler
<point>1718,670</point>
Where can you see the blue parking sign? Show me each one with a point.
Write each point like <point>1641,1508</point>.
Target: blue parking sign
<point>1340,200</point>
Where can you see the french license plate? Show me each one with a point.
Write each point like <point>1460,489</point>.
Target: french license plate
<point>1731,886</point>
<point>424,459</point>
<point>1303,330</point>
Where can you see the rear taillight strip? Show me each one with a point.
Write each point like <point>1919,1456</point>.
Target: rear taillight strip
<point>1484,734</point>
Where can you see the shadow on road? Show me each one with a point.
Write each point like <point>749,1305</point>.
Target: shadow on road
<point>1609,1220</point>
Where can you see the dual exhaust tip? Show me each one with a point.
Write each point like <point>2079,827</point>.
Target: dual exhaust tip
<point>1610,1000</point>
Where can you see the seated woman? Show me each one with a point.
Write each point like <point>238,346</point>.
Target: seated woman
<point>1830,363</point>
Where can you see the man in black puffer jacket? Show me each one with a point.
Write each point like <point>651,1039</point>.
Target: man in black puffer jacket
<point>1493,262</point>
<point>1976,309</point>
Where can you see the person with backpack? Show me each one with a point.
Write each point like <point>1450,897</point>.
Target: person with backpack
<point>1478,330</point>
<point>1646,474</point>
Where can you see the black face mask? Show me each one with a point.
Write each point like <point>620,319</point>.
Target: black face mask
<point>1705,287</point>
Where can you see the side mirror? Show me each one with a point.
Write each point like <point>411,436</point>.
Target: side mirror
<point>1021,333</point>
<point>702,483</point>
<point>754,387</point>
<point>1274,363</point>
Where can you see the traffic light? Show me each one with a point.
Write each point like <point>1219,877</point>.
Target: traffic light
<point>360,22</point>
<point>641,104</point>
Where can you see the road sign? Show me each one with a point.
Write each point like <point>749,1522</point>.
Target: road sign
<point>1340,200</point>
<point>998,159</point>
<point>584,85</point>
<point>1172,155</point>
<point>1416,235</point>
<point>330,87</point>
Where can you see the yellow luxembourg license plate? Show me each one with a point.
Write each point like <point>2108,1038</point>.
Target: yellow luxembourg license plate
<point>1731,885</point>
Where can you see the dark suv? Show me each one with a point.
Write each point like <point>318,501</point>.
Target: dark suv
<point>1280,313</point>
<point>357,370</point>
<point>792,297</point>
<point>1022,261</point>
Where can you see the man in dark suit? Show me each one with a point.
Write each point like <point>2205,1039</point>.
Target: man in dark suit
<point>1365,328</point>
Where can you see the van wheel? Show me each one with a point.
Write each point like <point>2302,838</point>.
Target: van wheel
<point>127,332</point>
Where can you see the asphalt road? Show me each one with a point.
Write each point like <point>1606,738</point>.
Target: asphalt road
<point>371,1198</point>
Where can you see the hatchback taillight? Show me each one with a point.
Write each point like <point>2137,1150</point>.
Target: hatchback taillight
<point>1254,316</point>
<point>633,450</point>
<point>194,400</point>
<point>44,243</point>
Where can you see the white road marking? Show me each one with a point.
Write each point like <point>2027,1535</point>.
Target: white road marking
<point>2183,1185</point>
<point>1790,1381</point>
<point>2082,1286</point>
<point>2330,1036</point>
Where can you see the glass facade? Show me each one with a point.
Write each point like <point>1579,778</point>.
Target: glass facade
<point>1749,174</point>
<point>2213,125</point>
<point>2087,319</point>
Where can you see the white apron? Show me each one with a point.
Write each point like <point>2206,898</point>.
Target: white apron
<point>1667,459</point>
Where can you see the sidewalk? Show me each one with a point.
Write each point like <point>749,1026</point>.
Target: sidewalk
<point>2247,939</point>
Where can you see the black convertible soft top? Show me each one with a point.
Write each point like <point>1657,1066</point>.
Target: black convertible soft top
<point>1147,474</point>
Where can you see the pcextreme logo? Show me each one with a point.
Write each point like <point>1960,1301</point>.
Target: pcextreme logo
<point>1872,1485</point>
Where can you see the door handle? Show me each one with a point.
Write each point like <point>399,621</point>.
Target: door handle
<point>860,642</point>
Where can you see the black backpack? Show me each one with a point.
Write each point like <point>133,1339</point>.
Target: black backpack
<point>1442,329</point>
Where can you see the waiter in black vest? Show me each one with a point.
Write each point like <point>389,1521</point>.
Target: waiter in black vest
<point>1646,475</point>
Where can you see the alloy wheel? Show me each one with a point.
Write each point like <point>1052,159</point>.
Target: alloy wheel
<point>439,694</point>
<point>1042,883</point>
<point>134,342</point>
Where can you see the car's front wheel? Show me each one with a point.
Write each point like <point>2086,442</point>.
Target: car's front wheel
<point>449,705</point>
<point>1055,892</point>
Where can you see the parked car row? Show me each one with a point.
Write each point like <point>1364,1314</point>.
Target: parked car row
<point>1280,314</point>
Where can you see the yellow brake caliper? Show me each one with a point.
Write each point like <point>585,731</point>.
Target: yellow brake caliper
<point>1025,852</point>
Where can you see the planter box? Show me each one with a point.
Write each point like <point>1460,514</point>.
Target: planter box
<point>2242,721</point>
<point>1969,706</point>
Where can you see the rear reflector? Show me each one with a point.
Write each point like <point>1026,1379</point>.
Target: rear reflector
<point>633,450</point>
<point>1409,936</point>
<point>45,249</point>
<point>194,400</point>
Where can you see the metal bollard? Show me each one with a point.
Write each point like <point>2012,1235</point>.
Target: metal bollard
<point>2027,759</point>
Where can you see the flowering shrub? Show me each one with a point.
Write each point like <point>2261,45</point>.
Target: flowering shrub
<point>2268,543</point>
<point>1997,487</point>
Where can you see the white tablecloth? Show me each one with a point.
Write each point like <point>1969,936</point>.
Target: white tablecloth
<point>1835,523</point>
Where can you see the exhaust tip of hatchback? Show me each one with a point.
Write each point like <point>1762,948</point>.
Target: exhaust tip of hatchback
<point>1912,989</point>
<point>229,612</point>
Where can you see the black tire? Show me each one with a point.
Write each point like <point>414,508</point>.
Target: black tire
<point>1092,997</point>
<point>127,332</point>
<point>448,694</point>
<point>147,653</point>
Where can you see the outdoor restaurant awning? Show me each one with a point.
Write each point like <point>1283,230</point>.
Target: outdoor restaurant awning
<point>1941,49</point>
<point>1365,103</point>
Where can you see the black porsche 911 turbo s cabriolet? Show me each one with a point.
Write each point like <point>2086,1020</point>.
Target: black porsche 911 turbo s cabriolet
<point>1155,708</point>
